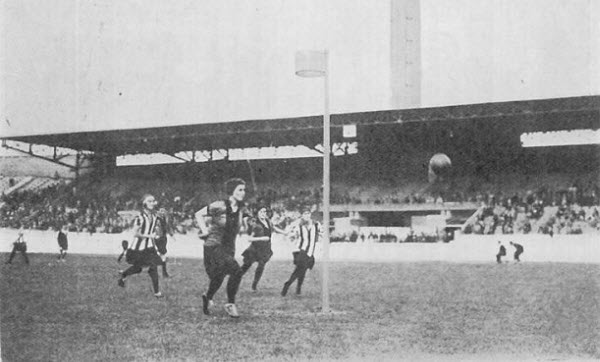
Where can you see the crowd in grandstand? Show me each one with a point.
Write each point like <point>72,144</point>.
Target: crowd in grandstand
<point>107,206</point>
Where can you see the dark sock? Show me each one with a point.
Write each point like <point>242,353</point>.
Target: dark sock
<point>258,274</point>
<point>232,286</point>
<point>153,271</point>
<point>300,281</point>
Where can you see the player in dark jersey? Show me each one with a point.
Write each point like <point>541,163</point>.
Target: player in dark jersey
<point>260,229</point>
<point>307,233</point>
<point>518,250</point>
<point>63,243</point>
<point>220,223</point>
<point>161,243</point>
<point>501,252</point>
<point>19,245</point>
<point>142,252</point>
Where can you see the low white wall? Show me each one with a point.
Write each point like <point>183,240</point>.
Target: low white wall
<point>466,248</point>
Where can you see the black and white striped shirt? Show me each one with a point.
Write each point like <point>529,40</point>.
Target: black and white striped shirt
<point>144,224</point>
<point>308,235</point>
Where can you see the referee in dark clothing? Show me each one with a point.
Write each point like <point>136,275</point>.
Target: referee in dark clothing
<point>307,234</point>
<point>142,252</point>
<point>518,250</point>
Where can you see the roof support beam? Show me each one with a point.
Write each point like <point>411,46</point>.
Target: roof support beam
<point>80,156</point>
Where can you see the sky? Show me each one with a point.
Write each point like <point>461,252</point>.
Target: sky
<point>68,66</point>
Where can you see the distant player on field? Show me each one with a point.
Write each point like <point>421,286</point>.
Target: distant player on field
<point>260,229</point>
<point>142,252</point>
<point>501,252</point>
<point>19,245</point>
<point>220,223</point>
<point>63,243</point>
<point>307,233</point>
<point>518,250</point>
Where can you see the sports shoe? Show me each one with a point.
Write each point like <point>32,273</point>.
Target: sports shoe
<point>159,295</point>
<point>206,304</point>
<point>231,309</point>
<point>121,282</point>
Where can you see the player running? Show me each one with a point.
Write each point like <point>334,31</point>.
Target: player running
<point>307,233</point>
<point>259,251</point>
<point>220,223</point>
<point>142,252</point>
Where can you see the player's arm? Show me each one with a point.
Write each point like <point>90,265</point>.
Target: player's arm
<point>201,216</point>
<point>246,217</point>
<point>294,235</point>
<point>255,231</point>
<point>321,232</point>
<point>280,230</point>
<point>257,238</point>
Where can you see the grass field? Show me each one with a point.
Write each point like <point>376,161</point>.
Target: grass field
<point>411,311</point>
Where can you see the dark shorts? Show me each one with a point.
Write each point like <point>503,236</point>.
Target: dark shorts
<point>161,245</point>
<point>142,258</point>
<point>219,261</point>
<point>63,245</point>
<point>257,253</point>
<point>302,259</point>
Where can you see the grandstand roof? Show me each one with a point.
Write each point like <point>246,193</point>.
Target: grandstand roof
<point>538,115</point>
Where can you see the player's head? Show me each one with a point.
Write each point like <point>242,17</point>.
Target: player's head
<point>148,202</point>
<point>262,211</point>
<point>306,214</point>
<point>236,188</point>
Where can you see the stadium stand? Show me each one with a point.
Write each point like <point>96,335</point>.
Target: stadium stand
<point>513,189</point>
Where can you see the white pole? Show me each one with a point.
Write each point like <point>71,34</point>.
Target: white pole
<point>310,64</point>
<point>326,188</point>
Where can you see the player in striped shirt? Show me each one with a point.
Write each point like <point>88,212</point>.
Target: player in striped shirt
<point>307,233</point>
<point>142,252</point>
